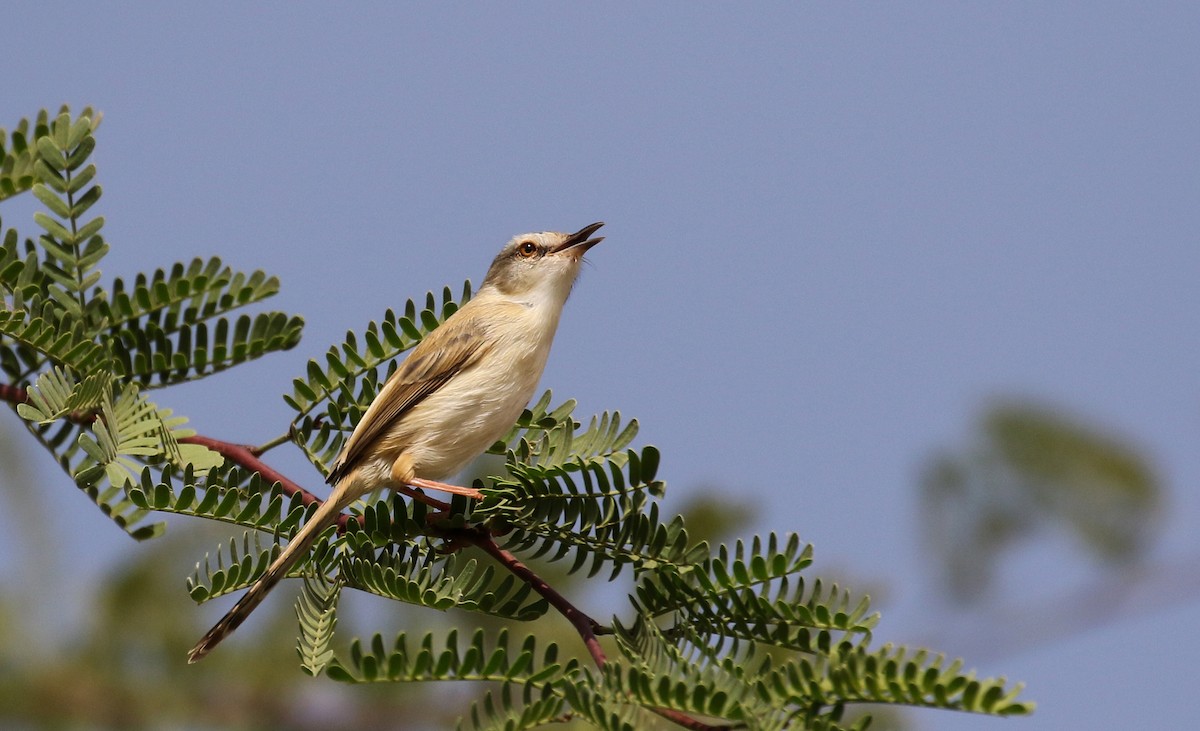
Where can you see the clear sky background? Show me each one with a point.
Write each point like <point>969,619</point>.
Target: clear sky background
<point>834,233</point>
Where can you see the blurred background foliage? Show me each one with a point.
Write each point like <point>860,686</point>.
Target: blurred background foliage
<point>1028,470</point>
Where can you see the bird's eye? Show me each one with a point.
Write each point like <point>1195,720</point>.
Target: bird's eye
<point>527,249</point>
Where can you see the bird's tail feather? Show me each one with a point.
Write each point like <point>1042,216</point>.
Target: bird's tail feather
<point>295,550</point>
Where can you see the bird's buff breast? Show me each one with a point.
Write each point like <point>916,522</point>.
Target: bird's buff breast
<point>458,422</point>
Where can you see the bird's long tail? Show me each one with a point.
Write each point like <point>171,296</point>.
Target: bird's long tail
<point>325,515</point>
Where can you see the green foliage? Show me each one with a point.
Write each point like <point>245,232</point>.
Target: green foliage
<point>441,581</point>
<point>57,395</point>
<point>225,493</point>
<point>583,495</point>
<point>739,633</point>
<point>85,353</point>
<point>42,335</point>
<point>537,706</point>
<point>236,567</point>
<point>431,658</point>
<point>315,611</point>
<point>170,325</point>
<point>20,152</point>
<point>755,593</point>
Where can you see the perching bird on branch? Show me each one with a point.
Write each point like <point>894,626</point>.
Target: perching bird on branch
<point>459,391</point>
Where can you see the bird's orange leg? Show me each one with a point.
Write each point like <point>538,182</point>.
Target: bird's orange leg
<point>404,474</point>
<point>444,487</point>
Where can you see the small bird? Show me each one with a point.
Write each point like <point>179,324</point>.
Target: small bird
<point>459,391</point>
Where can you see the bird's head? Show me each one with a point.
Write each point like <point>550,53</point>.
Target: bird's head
<point>541,267</point>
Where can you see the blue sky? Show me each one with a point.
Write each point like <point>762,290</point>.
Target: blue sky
<point>834,233</point>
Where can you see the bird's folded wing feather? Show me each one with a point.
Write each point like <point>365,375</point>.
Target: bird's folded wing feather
<point>427,368</point>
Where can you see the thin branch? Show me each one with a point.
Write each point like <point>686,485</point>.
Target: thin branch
<point>282,439</point>
<point>13,394</point>
<point>584,625</point>
<point>247,457</point>
<point>587,627</point>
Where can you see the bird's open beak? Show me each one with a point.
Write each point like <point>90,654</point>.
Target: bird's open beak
<point>579,242</point>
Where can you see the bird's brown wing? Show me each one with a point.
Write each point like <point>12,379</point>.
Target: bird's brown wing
<point>431,364</point>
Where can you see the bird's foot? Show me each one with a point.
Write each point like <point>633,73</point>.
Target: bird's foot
<point>445,487</point>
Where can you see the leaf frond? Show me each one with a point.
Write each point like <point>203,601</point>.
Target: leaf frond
<point>185,295</point>
<point>226,493</point>
<point>754,591</point>
<point>424,577</point>
<point>235,565</point>
<point>72,242</point>
<point>597,511</point>
<point>54,336</point>
<point>658,674</point>
<point>434,657</point>
<point>147,353</point>
<point>130,431</point>
<point>537,706</point>
<point>894,675</point>
<point>19,148</point>
<point>315,611</point>
<point>57,394</point>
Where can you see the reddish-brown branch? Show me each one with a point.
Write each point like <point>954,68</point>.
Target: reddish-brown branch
<point>682,719</point>
<point>249,458</point>
<point>13,394</point>
<point>584,625</point>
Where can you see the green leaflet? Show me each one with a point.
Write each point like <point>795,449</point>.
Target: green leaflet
<point>185,294</point>
<point>357,356</point>
<point>315,611</point>
<point>72,243</point>
<point>235,566</point>
<point>225,493</point>
<point>755,592</point>
<point>431,657</point>
<point>125,431</point>
<point>893,675</point>
<point>56,394</point>
<point>581,494</point>
<point>171,327</point>
<point>658,673</point>
<point>441,582</point>
<point>791,691</point>
<point>12,262</point>
<point>146,353</point>
<point>19,149</point>
<point>129,430</point>
<point>597,509</point>
<point>55,337</point>
<point>587,701</point>
<point>501,711</point>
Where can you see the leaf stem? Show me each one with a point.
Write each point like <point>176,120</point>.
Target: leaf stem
<point>269,445</point>
<point>76,246</point>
